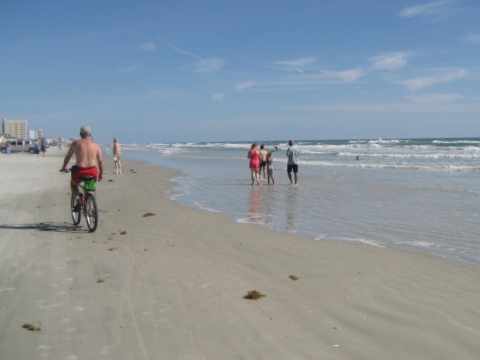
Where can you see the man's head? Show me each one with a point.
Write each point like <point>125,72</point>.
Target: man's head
<point>290,142</point>
<point>85,131</point>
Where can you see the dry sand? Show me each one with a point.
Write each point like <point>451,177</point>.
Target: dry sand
<point>171,285</point>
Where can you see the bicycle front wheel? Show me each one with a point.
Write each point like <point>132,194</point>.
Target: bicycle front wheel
<point>76,215</point>
<point>91,213</point>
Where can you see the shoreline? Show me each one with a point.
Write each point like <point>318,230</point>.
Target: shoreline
<point>174,281</point>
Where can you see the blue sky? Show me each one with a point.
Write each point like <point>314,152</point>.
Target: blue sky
<point>226,70</point>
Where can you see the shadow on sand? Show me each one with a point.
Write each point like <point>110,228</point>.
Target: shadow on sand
<point>46,226</point>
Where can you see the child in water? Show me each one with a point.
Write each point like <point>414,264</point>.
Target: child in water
<point>270,168</point>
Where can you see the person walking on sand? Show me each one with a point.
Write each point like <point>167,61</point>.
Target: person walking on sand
<point>117,154</point>
<point>292,164</point>
<point>254,156</point>
<point>88,155</point>
<point>43,146</point>
<point>270,168</point>
<point>263,161</point>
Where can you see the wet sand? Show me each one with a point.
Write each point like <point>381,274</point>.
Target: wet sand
<point>171,285</point>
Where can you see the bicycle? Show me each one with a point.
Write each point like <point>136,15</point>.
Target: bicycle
<point>87,205</point>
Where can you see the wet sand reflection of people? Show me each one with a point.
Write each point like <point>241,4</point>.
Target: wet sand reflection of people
<point>292,208</point>
<point>255,214</point>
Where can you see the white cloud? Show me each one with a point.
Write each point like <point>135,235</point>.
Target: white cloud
<point>391,61</point>
<point>345,76</point>
<point>419,83</point>
<point>437,9</point>
<point>209,65</point>
<point>296,65</point>
<point>218,97</point>
<point>245,85</point>
<point>148,46</point>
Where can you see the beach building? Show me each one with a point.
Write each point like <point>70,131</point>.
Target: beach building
<point>17,129</point>
<point>35,134</point>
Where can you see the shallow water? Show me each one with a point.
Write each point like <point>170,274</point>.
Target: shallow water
<point>422,201</point>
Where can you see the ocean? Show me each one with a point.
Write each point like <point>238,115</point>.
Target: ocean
<point>421,194</point>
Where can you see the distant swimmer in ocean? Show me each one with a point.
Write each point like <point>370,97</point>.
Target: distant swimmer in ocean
<point>357,157</point>
<point>254,156</point>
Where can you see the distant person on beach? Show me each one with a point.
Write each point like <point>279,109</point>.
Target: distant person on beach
<point>263,161</point>
<point>36,148</point>
<point>8,148</point>
<point>87,156</point>
<point>117,154</point>
<point>43,147</point>
<point>254,156</point>
<point>270,168</point>
<point>292,163</point>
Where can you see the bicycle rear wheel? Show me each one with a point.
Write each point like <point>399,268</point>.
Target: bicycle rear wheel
<point>76,215</point>
<point>91,213</point>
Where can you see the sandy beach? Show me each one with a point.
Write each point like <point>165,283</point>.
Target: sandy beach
<point>171,285</point>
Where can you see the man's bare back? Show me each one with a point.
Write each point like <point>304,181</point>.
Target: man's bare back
<point>87,154</point>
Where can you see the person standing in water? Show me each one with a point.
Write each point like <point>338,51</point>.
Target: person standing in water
<point>292,164</point>
<point>117,154</point>
<point>263,161</point>
<point>270,168</point>
<point>254,156</point>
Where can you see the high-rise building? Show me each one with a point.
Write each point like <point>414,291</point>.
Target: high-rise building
<point>17,129</point>
<point>35,134</point>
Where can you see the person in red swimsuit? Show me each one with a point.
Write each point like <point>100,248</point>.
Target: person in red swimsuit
<point>254,156</point>
<point>87,155</point>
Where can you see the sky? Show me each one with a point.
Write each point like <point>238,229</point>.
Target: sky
<point>242,70</point>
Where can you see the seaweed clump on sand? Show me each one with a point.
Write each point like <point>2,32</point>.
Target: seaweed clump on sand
<point>253,295</point>
<point>294,277</point>
<point>31,327</point>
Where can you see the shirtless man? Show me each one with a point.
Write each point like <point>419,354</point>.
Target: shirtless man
<point>87,154</point>
<point>117,154</point>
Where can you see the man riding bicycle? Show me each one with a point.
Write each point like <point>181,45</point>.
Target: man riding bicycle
<point>87,155</point>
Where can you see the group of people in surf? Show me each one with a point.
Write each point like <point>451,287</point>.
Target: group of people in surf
<point>261,163</point>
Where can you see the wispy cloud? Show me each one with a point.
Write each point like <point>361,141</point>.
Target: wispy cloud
<point>218,97</point>
<point>245,85</point>
<point>318,78</point>
<point>202,65</point>
<point>419,83</point>
<point>296,65</point>
<point>473,38</point>
<point>432,106</point>
<point>129,68</point>
<point>209,65</point>
<point>437,9</point>
<point>435,98</point>
<point>344,76</point>
<point>148,46</point>
<point>390,61</point>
